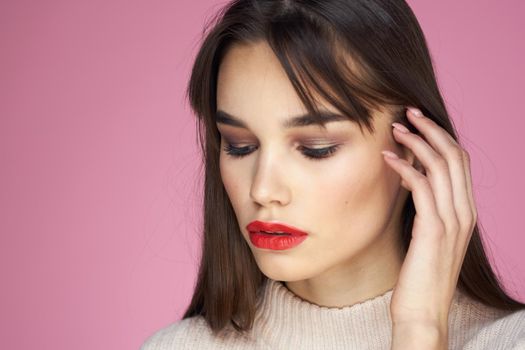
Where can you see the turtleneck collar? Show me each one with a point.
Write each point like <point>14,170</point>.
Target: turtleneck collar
<point>282,315</point>
<point>284,320</point>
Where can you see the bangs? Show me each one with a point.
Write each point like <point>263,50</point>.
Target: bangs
<point>320,64</point>
<point>323,65</point>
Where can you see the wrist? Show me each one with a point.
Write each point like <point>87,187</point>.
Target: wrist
<point>409,336</point>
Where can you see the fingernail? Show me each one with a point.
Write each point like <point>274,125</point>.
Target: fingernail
<point>390,154</point>
<point>401,128</point>
<point>416,112</point>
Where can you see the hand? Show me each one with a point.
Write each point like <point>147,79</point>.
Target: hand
<point>443,225</point>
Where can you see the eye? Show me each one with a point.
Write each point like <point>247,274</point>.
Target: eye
<point>310,153</point>
<point>236,152</point>
<point>318,153</point>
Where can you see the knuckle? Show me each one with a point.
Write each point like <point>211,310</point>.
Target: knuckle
<point>440,164</point>
<point>433,156</point>
<point>455,153</point>
<point>439,226</point>
<point>421,180</point>
<point>466,156</point>
<point>417,138</point>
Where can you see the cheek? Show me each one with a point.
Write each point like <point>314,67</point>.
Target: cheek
<point>358,192</point>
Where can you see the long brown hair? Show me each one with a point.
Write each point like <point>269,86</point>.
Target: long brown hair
<point>358,55</point>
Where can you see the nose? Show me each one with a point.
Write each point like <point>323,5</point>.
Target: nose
<point>270,182</point>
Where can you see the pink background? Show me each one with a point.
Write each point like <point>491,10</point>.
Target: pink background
<point>99,203</point>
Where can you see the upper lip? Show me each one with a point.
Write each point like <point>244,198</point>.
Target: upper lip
<point>257,226</point>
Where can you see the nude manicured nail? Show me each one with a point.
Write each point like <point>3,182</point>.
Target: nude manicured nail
<point>390,154</point>
<point>401,128</point>
<point>416,112</point>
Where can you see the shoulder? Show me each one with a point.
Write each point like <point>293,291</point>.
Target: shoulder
<point>506,332</point>
<point>174,335</point>
<point>193,333</point>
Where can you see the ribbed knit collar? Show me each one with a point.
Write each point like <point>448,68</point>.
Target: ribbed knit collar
<point>285,321</point>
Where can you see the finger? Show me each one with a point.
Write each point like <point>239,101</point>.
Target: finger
<point>449,149</point>
<point>470,189</point>
<point>417,183</point>
<point>436,170</point>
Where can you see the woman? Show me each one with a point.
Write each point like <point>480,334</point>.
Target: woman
<point>338,208</point>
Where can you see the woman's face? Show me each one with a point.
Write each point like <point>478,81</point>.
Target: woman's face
<point>349,202</point>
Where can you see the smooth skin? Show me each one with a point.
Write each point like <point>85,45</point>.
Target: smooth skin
<point>443,225</point>
<point>350,203</point>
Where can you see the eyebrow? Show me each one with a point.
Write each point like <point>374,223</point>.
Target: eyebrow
<point>306,119</point>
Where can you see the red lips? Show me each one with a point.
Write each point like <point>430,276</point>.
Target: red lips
<point>257,226</point>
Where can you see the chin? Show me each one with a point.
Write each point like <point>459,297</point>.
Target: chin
<point>279,270</point>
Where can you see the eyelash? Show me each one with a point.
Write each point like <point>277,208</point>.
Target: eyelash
<point>310,153</point>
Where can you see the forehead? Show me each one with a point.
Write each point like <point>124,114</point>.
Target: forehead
<point>251,78</point>
<point>252,81</point>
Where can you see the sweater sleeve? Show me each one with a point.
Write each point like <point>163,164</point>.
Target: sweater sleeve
<point>506,333</point>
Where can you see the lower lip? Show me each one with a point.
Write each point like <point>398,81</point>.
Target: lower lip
<point>275,242</point>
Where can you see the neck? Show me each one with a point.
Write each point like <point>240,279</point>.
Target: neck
<point>361,278</point>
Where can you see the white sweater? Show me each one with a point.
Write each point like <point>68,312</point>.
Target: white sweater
<point>285,321</point>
